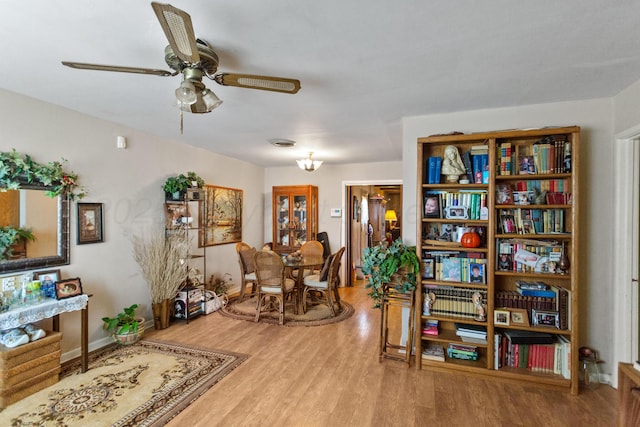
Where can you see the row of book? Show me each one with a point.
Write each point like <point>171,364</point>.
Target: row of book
<point>554,299</point>
<point>552,154</point>
<point>476,162</point>
<point>542,185</point>
<point>531,221</point>
<point>527,256</point>
<point>453,301</point>
<point>433,170</point>
<point>456,267</point>
<point>542,353</point>
<point>442,204</point>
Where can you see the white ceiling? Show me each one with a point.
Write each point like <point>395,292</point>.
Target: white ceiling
<point>363,65</point>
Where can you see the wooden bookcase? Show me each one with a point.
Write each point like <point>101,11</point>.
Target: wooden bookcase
<point>506,222</point>
<point>295,216</point>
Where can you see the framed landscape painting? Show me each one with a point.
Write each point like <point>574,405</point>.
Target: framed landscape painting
<point>223,216</point>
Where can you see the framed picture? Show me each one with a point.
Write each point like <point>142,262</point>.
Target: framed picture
<point>47,279</point>
<point>428,271</point>
<point>545,318</point>
<point>526,165</point>
<point>68,288</point>
<point>176,215</point>
<point>90,226</point>
<point>501,317</point>
<point>432,205</point>
<point>456,212</point>
<point>528,227</point>
<point>223,216</point>
<point>519,317</point>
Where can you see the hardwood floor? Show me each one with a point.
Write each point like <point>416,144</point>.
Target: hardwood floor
<point>330,376</point>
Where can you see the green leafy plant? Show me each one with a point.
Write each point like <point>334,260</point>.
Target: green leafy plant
<point>219,285</point>
<point>182,182</point>
<point>381,265</point>
<point>9,236</point>
<point>124,322</point>
<point>17,169</point>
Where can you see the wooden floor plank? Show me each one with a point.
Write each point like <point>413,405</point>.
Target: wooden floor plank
<point>331,376</point>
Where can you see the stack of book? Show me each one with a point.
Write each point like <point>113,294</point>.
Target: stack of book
<point>462,351</point>
<point>430,327</point>
<point>471,333</point>
<point>433,352</point>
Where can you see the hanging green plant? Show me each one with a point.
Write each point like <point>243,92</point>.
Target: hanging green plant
<point>380,263</point>
<point>17,169</point>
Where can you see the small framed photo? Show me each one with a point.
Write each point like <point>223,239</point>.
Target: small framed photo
<point>456,212</point>
<point>432,205</point>
<point>47,279</point>
<point>90,226</point>
<point>519,317</point>
<point>428,266</point>
<point>545,318</point>
<point>528,227</point>
<point>501,317</point>
<point>526,165</point>
<point>68,288</point>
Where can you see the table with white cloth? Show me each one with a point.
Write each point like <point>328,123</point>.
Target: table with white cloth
<point>52,308</point>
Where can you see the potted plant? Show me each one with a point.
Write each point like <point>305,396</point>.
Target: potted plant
<point>394,265</point>
<point>162,262</point>
<point>126,327</point>
<point>175,186</point>
<point>10,236</point>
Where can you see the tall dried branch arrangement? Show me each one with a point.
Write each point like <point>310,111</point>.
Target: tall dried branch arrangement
<point>162,262</point>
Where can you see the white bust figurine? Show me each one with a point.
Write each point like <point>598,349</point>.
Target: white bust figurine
<point>452,165</point>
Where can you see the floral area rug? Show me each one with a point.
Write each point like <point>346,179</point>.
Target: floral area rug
<point>145,384</point>
<point>317,313</point>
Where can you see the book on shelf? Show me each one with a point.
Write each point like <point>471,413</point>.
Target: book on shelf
<point>472,340</point>
<point>430,327</point>
<point>516,336</point>
<point>433,352</point>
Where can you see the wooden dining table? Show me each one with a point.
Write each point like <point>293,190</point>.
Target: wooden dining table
<point>301,264</point>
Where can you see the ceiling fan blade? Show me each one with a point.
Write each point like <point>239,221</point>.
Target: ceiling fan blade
<point>97,67</point>
<point>251,81</point>
<point>177,26</point>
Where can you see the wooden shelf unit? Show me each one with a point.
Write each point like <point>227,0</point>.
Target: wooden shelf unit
<point>522,144</point>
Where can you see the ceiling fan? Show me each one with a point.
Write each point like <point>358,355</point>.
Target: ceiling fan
<point>194,59</point>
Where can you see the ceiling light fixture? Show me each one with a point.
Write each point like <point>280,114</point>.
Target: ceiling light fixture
<point>309,164</point>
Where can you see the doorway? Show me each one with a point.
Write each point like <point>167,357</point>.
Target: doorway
<point>373,213</point>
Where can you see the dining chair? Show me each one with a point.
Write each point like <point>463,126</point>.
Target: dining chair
<point>326,282</point>
<point>247,269</point>
<point>311,248</point>
<point>272,283</point>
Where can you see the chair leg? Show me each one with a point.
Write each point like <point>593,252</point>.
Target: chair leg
<point>281,301</point>
<point>258,307</point>
<point>330,302</point>
<point>242,286</point>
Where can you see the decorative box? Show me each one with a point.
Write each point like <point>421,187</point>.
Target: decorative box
<point>29,368</point>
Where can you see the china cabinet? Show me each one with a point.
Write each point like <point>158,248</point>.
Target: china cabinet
<point>295,216</point>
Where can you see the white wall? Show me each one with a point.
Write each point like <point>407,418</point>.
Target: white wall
<point>329,179</point>
<point>596,193</point>
<point>128,182</point>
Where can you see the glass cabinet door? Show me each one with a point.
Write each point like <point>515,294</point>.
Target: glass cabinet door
<point>299,223</point>
<point>283,220</point>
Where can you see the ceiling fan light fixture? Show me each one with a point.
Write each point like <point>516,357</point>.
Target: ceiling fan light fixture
<point>186,93</point>
<point>309,164</point>
<point>211,101</point>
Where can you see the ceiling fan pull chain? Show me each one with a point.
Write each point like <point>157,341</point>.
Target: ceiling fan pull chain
<point>181,124</point>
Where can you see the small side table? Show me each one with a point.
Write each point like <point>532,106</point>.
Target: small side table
<point>393,298</point>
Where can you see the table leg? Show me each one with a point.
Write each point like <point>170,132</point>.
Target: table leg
<point>84,339</point>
